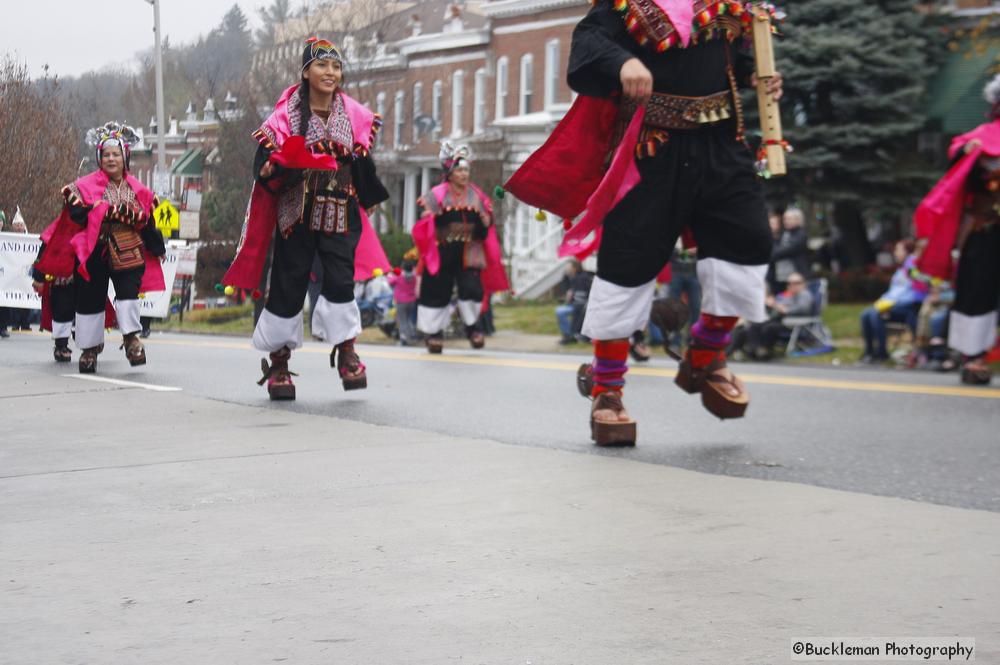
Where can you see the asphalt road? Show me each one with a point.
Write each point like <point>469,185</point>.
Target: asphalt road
<point>903,434</point>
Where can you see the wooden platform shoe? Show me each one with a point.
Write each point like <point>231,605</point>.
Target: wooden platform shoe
<point>618,431</point>
<point>975,372</point>
<point>723,396</point>
<point>61,351</point>
<point>349,366</point>
<point>88,359</point>
<point>277,376</point>
<point>135,352</point>
<point>435,344</point>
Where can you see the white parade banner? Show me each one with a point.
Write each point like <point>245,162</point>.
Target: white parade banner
<point>18,252</point>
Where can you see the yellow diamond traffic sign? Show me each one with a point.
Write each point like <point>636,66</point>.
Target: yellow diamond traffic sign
<point>167,218</point>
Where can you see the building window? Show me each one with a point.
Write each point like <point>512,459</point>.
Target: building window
<point>380,109</point>
<point>479,110</point>
<point>438,95</point>
<point>418,108</point>
<point>457,101</point>
<point>399,113</point>
<point>551,72</point>
<point>527,83</point>
<point>503,82</point>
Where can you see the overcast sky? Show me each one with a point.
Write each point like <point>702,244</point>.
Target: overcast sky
<point>75,36</point>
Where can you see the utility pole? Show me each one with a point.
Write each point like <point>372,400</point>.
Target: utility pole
<point>161,180</point>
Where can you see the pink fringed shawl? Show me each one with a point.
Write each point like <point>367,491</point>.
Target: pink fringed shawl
<point>66,243</point>
<point>939,216</point>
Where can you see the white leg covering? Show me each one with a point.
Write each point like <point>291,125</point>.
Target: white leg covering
<point>89,330</point>
<point>615,312</point>
<point>273,332</point>
<point>128,316</point>
<point>972,335</point>
<point>469,311</point>
<point>62,329</point>
<point>731,289</point>
<point>336,322</point>
<point>432,320</point>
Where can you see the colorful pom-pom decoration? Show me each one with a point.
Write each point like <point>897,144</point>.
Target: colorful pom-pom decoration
<point>499,192</point>
<point>397,271</point>
<point>256,294</point>
<point>567,224</point>
<point>541,216</point>
<point>50,278</point>
<point>377,272</point>
<point>229,290</point>
<point>142,296</point>
<point>219,288</point>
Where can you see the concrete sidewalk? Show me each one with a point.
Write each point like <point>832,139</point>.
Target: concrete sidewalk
<point>194,531</point>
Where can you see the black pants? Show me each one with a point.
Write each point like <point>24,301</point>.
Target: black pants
<point>977,289</point>
<point>62,301</point>
<point>436,290</point>
<point>703,179</point>
<point>91,295</point>
<point>292,261</point>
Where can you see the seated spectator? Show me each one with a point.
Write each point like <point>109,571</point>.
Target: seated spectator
<point>796,300</point>
<point>930,347</point>
<point>791,253</point>
<point>900,304</point>
<point>570,314</point>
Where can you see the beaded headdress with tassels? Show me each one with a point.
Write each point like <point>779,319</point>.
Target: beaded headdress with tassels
<point>112,134</point>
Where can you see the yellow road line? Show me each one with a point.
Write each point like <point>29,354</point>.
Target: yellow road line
<point>762,379</point>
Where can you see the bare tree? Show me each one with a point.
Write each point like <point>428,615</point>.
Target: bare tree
<point>39,145</point>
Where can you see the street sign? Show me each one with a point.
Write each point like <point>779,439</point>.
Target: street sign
<point>190,224</point>
<point>167,218</point>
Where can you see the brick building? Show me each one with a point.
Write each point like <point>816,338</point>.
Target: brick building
<point>490,74</point>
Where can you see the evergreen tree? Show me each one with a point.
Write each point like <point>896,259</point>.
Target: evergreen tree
<point>856,74</point>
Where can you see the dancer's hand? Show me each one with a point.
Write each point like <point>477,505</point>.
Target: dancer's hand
<point>267,170</point>
<point>637,81</point>
<point>37,286</point>
<point>775,85</point>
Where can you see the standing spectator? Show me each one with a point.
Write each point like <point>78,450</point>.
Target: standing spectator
<point>404,293</point>
<point>792,253</point>
<point>900,304</point>
<point>19,318</point>
<point>570,314</point>
<point>796,300</point>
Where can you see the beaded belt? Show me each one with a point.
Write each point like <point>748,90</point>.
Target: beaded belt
<point>676,112</point>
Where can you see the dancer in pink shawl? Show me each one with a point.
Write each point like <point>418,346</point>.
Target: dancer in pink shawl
<point>104,234</point>
<point>459,250</point>
<point>962,213</point>
<point>653,145</point>
<point>315,178</point>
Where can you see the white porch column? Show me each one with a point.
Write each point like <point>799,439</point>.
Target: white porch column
<point>410,195</point>
<point>425,180</point>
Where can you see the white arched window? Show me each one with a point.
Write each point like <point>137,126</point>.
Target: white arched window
<point>380,109</point>
<point>527,83</point>
<point>503,84</point>
<point>479,103</point>
<point>457,101</point>
<point>436,102</point>
<point>552,61</point>
<point>418,108</point>
<point>399,114</point>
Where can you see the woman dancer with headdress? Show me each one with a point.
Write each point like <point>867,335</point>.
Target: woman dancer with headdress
<point>102,236</point>
<point>962,213</point>
<point>315,178</point>
<point>459,248</point>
